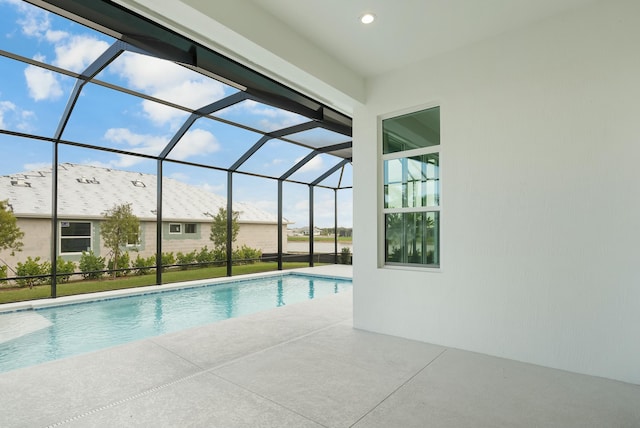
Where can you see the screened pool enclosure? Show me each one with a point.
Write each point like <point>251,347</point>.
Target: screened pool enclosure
<point>91,91</point>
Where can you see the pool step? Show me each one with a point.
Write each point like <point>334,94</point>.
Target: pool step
<point>18,324</point>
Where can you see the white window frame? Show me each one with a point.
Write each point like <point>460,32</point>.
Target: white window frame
<point>382,211</point>
<point>61,238</point>
<point>137,243</point>
<point>179,232</point>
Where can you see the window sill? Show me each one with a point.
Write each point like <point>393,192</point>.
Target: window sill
<point>426,269</point>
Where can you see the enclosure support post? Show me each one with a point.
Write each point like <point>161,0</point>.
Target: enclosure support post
<point>311,227</point>
<point>159,225</point>
<point>229,222</point>
<point>280,235</point>
<point>335,225</point>
<point>54,222</point>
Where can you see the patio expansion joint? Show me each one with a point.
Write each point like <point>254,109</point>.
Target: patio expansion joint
<point>201,372</point>
<point>399,387</point>
<point>277,345</point>
<point>268,399</point>
<point>124,400</point>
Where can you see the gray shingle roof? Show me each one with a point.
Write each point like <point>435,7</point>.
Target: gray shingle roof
<point>87,191</point>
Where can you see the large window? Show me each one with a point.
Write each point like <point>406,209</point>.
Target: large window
<point>411,209</point>
<point>75,237</point>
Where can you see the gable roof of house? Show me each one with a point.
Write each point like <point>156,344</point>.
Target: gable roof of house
<point>86,191</point>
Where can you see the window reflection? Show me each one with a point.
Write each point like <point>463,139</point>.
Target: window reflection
<point>412,182</point>
<point>412,238</point>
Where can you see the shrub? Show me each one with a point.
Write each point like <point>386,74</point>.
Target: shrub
<point>123,263</point>
<point>247,254</point>
<point>345,256</point>
<point>186,259</point>
<point>205,256</point>
<point>219,255</point>
<point>3,271</point>
<point>64,269</point>
<point>89,264</point>
<point>167,259</point>
<point>32,267</point>
<point>144,265</point>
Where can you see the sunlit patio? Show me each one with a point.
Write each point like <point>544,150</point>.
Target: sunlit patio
<point>304,365</point>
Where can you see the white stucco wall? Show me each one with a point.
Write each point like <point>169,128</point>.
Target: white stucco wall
<point>540,197</point>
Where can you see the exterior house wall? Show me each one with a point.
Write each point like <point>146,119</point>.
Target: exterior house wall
<point>540,202</point>
<point>256,235</point>
<point>37,240</point>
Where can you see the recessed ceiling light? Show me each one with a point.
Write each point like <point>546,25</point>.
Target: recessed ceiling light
<point>367,18</point>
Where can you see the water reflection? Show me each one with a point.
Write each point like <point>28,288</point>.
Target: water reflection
<point>312,290</point>
<point>158,321</point>
<point>280,301</point>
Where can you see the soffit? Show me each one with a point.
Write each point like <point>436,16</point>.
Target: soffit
<point>405,31</point>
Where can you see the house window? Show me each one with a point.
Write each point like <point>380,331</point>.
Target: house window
<point>75,237</point>
<point>411,207</point>
<point>190,228</point>
<point>175,228</point>
<point>133,240</point>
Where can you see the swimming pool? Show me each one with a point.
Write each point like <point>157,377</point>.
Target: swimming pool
<point>36,336</point>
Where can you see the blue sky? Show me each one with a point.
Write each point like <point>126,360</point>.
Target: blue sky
<point>32,100</point>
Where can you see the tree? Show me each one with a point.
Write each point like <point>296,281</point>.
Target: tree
<point>120,227</point>
<point>219,229</point>
<point>10,233</point>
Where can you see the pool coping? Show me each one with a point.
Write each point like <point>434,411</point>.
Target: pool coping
<point>32,305</point>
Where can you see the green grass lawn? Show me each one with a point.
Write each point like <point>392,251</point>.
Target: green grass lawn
<point>343,239</point>
<point>90,286</point>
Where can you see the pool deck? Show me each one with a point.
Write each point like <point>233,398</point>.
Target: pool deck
<point>304,365</point>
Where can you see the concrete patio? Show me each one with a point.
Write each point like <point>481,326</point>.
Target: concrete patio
<point>303,365</point>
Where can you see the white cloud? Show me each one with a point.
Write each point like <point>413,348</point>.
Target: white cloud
<point>168,81</point>
<point>179,176</point>
<point>72,52</point>
<point>213,188</point>
<point>143,72</point>
<point>122,161</point>
<point>42,84</point>
<point>76,53</point>
<point>34,21</point>
<point>26,121</point>
<point>195,142</point>
<point>37,166</point>
<point>302,205</point>
<point>138,143</point>
<point>272,118</point>
<point>5,107</point>
<point>268,206</point>
<point>12,116</point>
<point>55,36</point>
<point>315,164</point>
<point>161,114</point>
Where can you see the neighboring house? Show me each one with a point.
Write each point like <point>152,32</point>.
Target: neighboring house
<point>316,231</point>
<point>86,192</point>
<point>304,231</point>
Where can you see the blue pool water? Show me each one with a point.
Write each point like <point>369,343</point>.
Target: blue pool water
<point>61,331</point>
